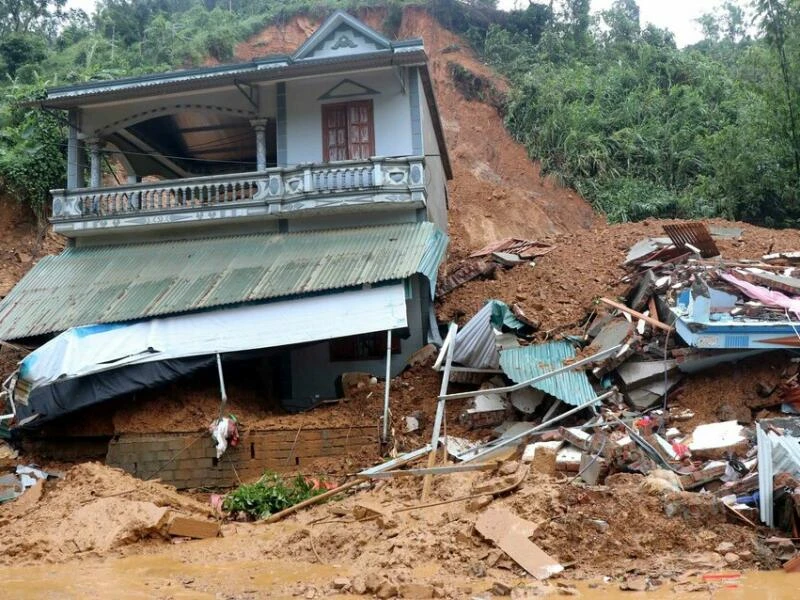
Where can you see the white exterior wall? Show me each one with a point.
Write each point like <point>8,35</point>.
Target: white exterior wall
<point>435,179</point>
<point>314,375</point>
<point>391,111</point>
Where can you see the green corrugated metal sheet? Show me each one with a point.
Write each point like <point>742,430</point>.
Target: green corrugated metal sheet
<point>523,364</point>
<point>109,284</point>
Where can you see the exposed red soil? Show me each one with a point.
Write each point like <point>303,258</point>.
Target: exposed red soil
<point>22,243</point>
<point>191,406</point>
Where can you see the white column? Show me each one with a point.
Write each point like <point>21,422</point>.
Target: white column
<point>73,162</point>
<point>95,169</point>
<point>260,126</point>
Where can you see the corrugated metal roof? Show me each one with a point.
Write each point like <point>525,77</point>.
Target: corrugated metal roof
<point>476,342</point>
<point>108,284</point>
<point>522,364</point>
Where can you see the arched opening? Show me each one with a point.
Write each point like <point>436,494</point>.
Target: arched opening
<point>192,143</point>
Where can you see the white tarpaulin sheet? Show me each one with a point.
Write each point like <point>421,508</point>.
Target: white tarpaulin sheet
<point>85,350</point>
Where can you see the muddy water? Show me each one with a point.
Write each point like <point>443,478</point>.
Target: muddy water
<point>161,576</point>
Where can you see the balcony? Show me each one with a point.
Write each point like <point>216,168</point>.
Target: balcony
<point>278,192</point>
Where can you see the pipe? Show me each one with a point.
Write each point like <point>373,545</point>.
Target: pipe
<point>437,422</point>
<point>385,436</point>
<point>223,393</point>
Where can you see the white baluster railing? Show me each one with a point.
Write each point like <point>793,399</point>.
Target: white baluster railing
<point>271,186</point>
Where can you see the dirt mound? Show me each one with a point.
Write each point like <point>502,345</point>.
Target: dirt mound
<point>93,510</point>
<point>497,191</point>
<point>724,392</point>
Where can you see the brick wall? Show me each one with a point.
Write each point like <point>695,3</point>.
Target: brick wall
<point>188,460</point>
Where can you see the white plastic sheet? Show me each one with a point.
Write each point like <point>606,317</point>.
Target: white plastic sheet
<point>85,350</point>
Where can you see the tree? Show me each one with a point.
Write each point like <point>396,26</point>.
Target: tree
<point>31,16</point>
<point>18,49</point>
<point>779,20</point>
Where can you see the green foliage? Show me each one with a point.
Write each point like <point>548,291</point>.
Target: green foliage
<point>18,49</point>
<point>32,160</point>
<point>270,494</point>
<point>642,128</point>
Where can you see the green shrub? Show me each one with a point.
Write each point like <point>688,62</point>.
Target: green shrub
<point>269,495</point>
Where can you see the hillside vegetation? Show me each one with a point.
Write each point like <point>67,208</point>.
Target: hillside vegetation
<point>611,108</point>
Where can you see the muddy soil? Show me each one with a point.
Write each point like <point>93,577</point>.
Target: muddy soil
<point>616,531</point>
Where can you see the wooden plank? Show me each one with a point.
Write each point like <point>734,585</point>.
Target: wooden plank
<point>193,528</point>
<point>637,314</point>
<point>446,470</point>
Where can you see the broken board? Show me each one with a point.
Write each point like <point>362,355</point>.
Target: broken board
<point>511,534</point>
<point>193,528</point>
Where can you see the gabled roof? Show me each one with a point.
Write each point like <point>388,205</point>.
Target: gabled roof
<point>361,47</point>
<point>110,284</point>
<point>316,56</point>
<point>344,33</point>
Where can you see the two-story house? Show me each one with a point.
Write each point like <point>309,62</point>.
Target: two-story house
<point>292,206</point>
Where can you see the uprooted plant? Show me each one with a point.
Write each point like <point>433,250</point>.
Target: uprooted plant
<point>270,494</point>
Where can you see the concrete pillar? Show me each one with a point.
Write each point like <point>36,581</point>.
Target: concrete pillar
<point>95,168</point>
<point>73,160</point>
<point>260,126</point>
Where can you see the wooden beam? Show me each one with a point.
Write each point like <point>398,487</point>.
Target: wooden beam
<point>445,470</point>
<point>636,314</point>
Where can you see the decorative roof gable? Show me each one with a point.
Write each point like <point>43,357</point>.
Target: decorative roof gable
<point>341,35</point>
<point>347,88</point>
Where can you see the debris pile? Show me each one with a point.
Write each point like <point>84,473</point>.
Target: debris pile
<point>514,529</point>
<point>93,509</point>
<point>684,310</point>
<point>484,262</point>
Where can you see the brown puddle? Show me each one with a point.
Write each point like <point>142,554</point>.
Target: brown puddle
<point>160,576</point>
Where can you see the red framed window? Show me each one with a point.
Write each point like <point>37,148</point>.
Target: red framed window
<point>348,131</point>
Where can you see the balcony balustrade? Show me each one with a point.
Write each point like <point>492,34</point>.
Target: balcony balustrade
<point>278,187</point>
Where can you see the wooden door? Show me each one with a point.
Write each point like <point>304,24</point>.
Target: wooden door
<point>334,122</point>
<point>347,131</point>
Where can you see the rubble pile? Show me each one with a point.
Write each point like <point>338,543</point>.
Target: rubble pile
<point>682,313</point>
<point>616,531</point>
<point>92,509</point>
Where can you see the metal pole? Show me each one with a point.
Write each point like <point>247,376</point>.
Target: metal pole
<point>385,436</point>
<point>437,422</point>
<point>222,392</point>
<point>8,392</point>
<point>538,378</point>
<point>532,430</point>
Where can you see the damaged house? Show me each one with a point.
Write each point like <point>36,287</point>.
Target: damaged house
<point>290,209</point>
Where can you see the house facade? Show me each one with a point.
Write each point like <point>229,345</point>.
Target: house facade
<point>293,207</point>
